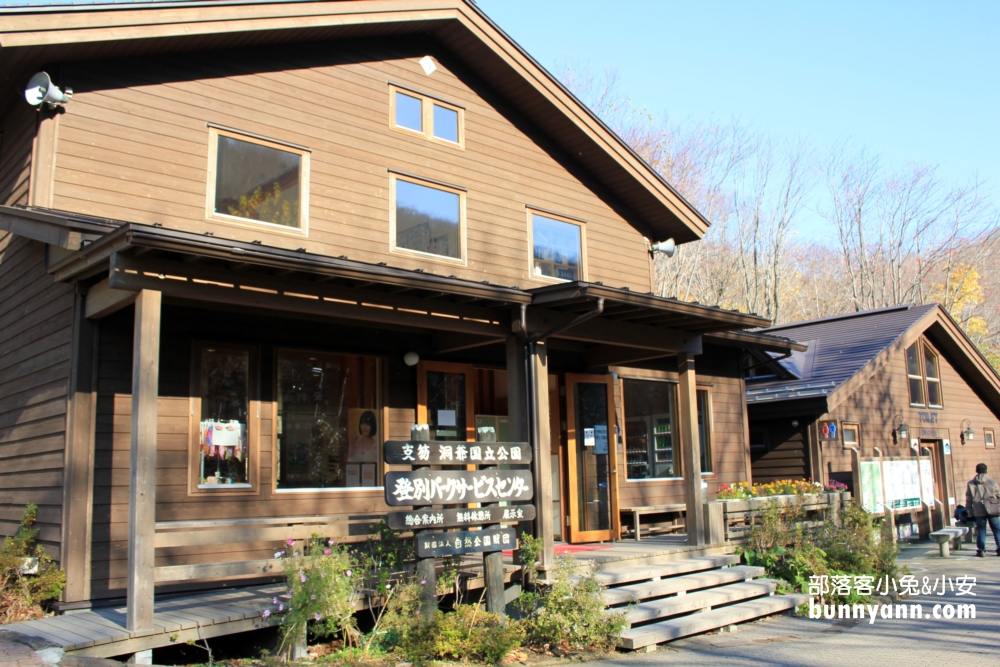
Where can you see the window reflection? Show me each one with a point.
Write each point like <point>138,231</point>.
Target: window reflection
<point>428,219</point>
<point>409,112</point>
<point>557,248</point>
<point>224,452</point>
<point>257,182</point>
<point>649,429</point>
<point>328,426</point>
<point>445,123</point>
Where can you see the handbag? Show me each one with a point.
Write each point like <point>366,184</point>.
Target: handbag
<point>992,506</point>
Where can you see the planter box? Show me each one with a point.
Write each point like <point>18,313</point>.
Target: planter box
<point>755,504</point>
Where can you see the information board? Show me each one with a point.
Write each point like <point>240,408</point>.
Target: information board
<point>403,452</point>
<point>451,518</point>
<point>456,487</point>
<point>871,487</point>
<point>436,545</point>
<point>927,482</point>
<point>902,484</point>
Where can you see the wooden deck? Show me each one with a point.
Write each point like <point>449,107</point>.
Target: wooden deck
<point>177,619</point>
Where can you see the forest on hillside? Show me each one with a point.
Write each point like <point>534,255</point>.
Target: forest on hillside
<point>895,234</point>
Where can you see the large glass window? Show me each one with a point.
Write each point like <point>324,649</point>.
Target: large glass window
<point>224,393</point>
<point>427,219</point>
<point>557,248</point>
<point>329,431</point>
<point>914,378</point>
<point>933,376</point>
<point>649,429</point>
<point>259,181</point>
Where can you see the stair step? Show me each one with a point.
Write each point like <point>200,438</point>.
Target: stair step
<point>693,624</point>
<point>679,584</point>
<point>611,576</point>
<point>690,602</point>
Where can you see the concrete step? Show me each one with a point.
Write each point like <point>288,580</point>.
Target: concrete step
<point>697,623</point>
<point>699,601</point>
<point>625,572</point>
<point>624,557</point>
<point>680,584</point>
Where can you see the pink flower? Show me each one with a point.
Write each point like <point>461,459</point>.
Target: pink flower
<point>318,616</point>
<point>423,582</point>
<point>265,613</point>
<point>312,597</point>
<point>327,552</point>
<point>331,542</point>
<point>281,607</point>
<point>290,542</point>
<point>348,573</point>
<point>303,578</point>
<point>418,612</point>
<point>275,600</point>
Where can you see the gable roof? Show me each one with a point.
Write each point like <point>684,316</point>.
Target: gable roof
<point>845,351</point>
<point>34,37</point>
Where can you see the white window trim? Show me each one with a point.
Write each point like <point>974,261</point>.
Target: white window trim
<point>462,222</point>
<point>212,215</point>
<point>530,211</point>
<point>427,103</point>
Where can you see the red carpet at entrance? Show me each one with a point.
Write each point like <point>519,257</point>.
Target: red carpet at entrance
<point>561,549</point>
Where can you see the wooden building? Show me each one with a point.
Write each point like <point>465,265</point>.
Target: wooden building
<point>262,238</point>
<point>894,382</point>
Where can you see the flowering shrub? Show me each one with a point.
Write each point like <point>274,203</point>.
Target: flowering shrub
<point>784,487</point>
<point>833,486</point>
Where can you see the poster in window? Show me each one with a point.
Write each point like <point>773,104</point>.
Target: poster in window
<point>601,439</point>
<point>588,437</point>
<point>353,475</point>
<point>362,427</point>
<point>368,474</point>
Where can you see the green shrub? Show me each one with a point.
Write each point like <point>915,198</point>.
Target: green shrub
<point>467,633</point>
<point>21,594</point>
<point>570,612</point>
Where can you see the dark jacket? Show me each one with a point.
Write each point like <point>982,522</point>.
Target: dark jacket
<point>979,489</point>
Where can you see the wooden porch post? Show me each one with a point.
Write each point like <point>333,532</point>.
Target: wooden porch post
<point>142,467</point>
<point>538,358</point>
<point>694,520</point>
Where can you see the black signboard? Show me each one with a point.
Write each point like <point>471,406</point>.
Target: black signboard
<point>451,518</point>
<point>456,487</point>
<point>432,545</point>
<point>456,453</point>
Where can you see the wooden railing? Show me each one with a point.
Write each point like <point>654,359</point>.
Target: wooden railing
<point>740,516</point>
<point>272,530</point>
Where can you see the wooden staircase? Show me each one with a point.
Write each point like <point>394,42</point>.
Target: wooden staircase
<point>669,600</point>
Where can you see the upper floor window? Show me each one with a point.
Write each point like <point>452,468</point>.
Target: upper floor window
<point>257,180</point>
<point>427,218</point>
<point>435,119</point>
<point>557,247</point>
<point>923,375</point>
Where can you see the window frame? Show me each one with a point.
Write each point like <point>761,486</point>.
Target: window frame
<point>919,376</point>
<point>989,435</point>
<point>929,351</point>
<point>532,211</point>
<point>675,434</point>
<point>216,131</point>
<point>427,103</point>
<point>380,410</point>
<point>710,425</point>
<point>253,421</point>
<point>394,177</point>
<point>843,431</point>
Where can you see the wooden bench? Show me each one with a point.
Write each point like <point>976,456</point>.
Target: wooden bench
<point>946,535</point>
<point>637,512</point>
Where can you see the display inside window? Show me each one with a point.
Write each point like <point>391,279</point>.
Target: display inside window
<point>409,112</point>
<point>329,432</point>
<point>649,429</point>
<point>558,248</point>
<point>428,219</point>
<point>224,452</point>
<point>914,378</point>
<point>705,429</point>
<point>257,182</point>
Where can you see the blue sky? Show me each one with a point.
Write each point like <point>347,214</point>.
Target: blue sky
<point>914,81</point>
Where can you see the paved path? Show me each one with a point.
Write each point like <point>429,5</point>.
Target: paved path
<point>787,641</point>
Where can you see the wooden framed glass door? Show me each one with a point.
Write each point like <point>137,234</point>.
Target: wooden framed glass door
<point>446,400</point>
<point>591,459</point>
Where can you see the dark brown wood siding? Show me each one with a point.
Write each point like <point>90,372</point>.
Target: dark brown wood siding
<point>35,341</point>
<point>780,450</point>
<point>885,395</point>
<point>134,145</point>
<point>17,132</point>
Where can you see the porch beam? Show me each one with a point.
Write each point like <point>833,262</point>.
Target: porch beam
<point>102,300</point>
<point>447,341</point>
<point>694,519</point>
<point>142,463</point>
<point>612,332</point>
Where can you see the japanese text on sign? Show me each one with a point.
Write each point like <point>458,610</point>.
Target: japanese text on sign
<point>450,453</point>
<point>430,545</point>
<point>456,517</point>
<point>440,487</point>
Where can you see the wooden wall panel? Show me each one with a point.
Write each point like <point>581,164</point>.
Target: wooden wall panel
<point>18,133</point>
<point>35,339</point>
<point>134,146</point>
<point>886,395</point>
<point>728,443</point>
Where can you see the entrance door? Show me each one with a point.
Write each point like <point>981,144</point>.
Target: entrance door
<point>446,400</point>
<point>939,513</point>
<point>592,492</point>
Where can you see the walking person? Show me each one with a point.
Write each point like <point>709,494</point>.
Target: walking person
<point>982,496</point>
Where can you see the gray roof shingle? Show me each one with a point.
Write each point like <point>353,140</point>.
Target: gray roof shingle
<point>839,347</point>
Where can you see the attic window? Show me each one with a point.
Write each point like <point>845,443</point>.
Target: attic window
<point>557,247</point>
<point>257,180</point>
<point>923,375</point>
<point>429,117</point>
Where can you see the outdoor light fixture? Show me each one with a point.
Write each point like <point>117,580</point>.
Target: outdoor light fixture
<point>411,358</point>
<point>40,90</point>
<point>668,248</point>
<point>899,430</point>
<point>966,432</point>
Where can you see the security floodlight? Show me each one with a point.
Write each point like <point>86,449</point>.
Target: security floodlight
<point>41,90</point>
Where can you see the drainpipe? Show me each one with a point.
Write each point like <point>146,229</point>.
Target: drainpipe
<point>535,428</point>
